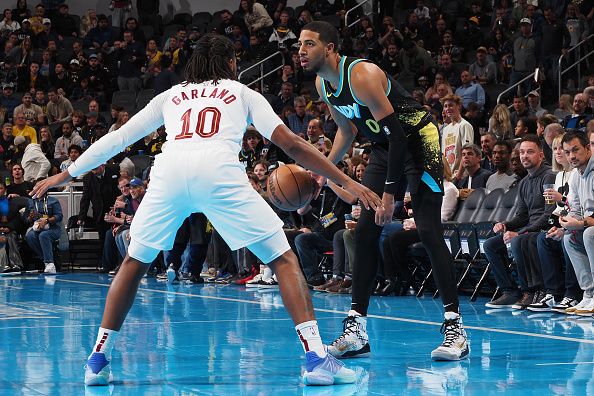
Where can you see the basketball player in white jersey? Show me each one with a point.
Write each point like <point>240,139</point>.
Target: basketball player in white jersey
<point>199,171</point>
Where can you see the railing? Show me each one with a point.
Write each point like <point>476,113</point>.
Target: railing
<point>346,15</point>
<point>577,63</point>
<point>515,86</point>
<point>261,65</point>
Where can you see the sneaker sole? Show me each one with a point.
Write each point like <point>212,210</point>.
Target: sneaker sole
<point>364,352</point>
<point>489,305</point>
<point>539,309</point>
<point>440,356</point>
<point>324,378</point>
<point>99,379</point>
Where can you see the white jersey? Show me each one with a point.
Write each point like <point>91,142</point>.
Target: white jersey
<point>192,113</point>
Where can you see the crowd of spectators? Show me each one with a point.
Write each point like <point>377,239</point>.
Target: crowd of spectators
<point>63,78</point>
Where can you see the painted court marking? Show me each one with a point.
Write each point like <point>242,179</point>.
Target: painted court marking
<point>397,319</point>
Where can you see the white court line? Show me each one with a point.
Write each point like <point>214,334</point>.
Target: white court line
<point>128,324</point>
<point>11,287</point>
<point>28,317</point>
<point>397,319</point>
<point>563,364</point>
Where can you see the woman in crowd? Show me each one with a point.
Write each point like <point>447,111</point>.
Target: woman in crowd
<point>564,107</point>
<point>261,170</point>
<point>88,22</point>
<point>256,17</point>
<point>500,123</point>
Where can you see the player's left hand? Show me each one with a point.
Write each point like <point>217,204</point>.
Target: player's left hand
<point>368,198</point>
<point>384,214</point>
<point>42,186</point>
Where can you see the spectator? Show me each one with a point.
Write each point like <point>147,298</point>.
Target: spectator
<point>261,172</point>
<point>63,143</point>
<point>315,133</point>
<point>578,222</point>
<point>19,187</point>
<point>45,218</point>
<point>35,165</point>
<point>500,122</point>
<point>299,120</point>
<point>286,97</point>
<point>165,77</point>
<point>21,128</point>
<point>31,81</point>
<point>488,141</point>
<point>31,111</point>
<point>7,24</point>
<point>132,57</point>
<point>519,234</point>
<point>96,74</point>
<point>6,143</point>
<point>579,118</point>
<point>123,117</point>
<point>8,101</point>
<point>91,131</point>
<point>526,56</point>
<point>483,70</point>
<point>476,177</point>
<point>88,22</point>
<point>520,110</point>
<point>43,38</point>
<point>447,69</point>
<point>470,92</point>
<point>74,151</point>
<point>228,21</point>
<point>78,55</point>
<point>550,133</point>
<point>504,177</point>
<point>525,126</point>
<point>534,107</point>
<point>59,109</point>
<point>8,72</point>
<point>282,36</point>
<point>100,38</point>
<point>455,134</point>
<point>555,40</point>
<point>132,25</point>
<point>37,20</point>
<point>83,91</point>
<point>100,189</point>
<point>255,16</point>
<point>47,144</point>
<point>10,258</point>
<point>120,12</point>
<point>564,107</point>
<point>390,62</point>
<point>414,62</point>
<point>21,11</point>
<point>326,212</point>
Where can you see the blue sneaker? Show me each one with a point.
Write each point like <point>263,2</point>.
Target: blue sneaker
<point>326,371</point>
<point>97,370</point>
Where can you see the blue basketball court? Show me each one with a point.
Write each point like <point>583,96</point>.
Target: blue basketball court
<point>225,340</point>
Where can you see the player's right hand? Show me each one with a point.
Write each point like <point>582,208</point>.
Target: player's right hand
<point>42,186</point>
<point>368,198</point>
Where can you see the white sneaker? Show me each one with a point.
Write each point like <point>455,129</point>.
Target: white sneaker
<point>50,268</point>
<point>585,301</point>
<point>254,281</point>
<point>544,305</point>
<point>455,345</point>
<point>98,370</point>
<point>354,341</point>
<point>586,310</point>
<point>326,371</point>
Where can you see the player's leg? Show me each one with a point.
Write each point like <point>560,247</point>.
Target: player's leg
<point>354,341</point>
<point>321,367</point>
<point>153,229</point>
<point>427,214</point>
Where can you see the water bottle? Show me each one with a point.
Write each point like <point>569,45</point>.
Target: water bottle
<point>7,181</point>
<point>80,232</point>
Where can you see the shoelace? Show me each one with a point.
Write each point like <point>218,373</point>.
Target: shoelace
<point>451,329</point>
<point>349,326</point>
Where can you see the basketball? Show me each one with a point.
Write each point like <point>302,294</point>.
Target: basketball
<point>290,187</point>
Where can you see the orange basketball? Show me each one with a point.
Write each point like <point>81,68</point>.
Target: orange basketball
<point>290,187</point>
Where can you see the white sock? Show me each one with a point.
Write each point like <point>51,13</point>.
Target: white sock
<point>310,337</point>
<point>352,312</point>
<point>105,340</point>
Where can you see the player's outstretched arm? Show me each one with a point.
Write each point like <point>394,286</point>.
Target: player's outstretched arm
<point>308,156</point>
<point>42,186</point>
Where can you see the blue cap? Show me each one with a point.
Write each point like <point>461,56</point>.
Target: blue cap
<point>136,182</point>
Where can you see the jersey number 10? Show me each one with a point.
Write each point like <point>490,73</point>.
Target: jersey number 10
<point>202,130</point>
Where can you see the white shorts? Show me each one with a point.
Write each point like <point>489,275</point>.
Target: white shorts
<point>208,179</point>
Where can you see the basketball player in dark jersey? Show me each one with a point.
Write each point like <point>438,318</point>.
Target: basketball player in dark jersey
<point>405,151</point>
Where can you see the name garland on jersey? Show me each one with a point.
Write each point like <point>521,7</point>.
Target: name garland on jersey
<point>215,94</point>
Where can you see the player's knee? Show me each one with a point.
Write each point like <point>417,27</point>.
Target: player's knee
<point>142,253</point>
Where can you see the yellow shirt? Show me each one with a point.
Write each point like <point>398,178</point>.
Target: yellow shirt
<point>27,131</point>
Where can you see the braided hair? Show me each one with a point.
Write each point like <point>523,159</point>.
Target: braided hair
<point>210,60</point>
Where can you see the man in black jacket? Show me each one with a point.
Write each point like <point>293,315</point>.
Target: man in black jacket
<point>519,234</point>
<point>100,189</point>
